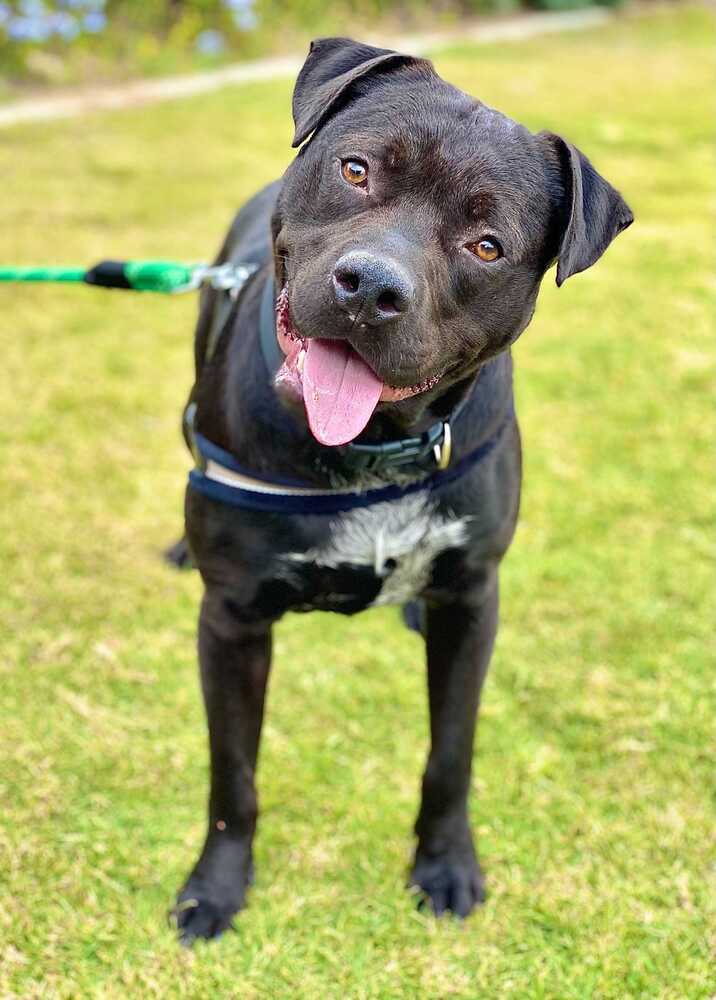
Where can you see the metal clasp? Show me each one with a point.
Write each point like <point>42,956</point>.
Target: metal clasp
<point>442,451</point>
<point>223,277</point>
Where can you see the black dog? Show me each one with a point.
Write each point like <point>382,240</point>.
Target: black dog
<point>395,264</point>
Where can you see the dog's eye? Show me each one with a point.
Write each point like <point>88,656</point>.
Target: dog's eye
<point>355,172</point>
<point>486,249</point>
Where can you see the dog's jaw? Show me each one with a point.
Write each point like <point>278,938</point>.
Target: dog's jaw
<point>298,382</point>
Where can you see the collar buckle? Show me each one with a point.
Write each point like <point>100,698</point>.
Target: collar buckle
<point>433,446</point>
<point>443,449</point>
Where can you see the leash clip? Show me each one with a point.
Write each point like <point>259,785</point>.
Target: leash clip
<point>222,277</point>
<point>443,450</point>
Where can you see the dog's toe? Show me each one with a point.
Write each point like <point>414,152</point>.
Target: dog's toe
<point>448,884</point>
<point>196,916</point>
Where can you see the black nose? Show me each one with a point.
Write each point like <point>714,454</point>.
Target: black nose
<point>375,289</point>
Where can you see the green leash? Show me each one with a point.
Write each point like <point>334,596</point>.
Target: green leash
<point>138,275</point>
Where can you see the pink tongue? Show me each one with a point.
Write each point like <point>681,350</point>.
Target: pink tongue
<point>340,391</point>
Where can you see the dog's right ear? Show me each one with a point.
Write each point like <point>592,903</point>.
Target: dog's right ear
<point>331,66</point>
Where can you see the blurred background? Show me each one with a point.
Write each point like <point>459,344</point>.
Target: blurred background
<point>45,42</point>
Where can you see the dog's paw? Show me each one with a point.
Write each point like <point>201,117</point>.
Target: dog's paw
<point>200,918</point>
<point>448,882</point>
<point>201,912</point>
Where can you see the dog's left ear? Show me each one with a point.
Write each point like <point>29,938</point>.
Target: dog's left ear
<point>332,65</point>
<point>594,212</point>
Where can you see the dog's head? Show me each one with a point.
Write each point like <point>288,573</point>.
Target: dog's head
<point>412,232</point>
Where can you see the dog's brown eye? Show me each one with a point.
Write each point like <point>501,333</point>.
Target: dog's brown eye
<point>355,172</point>
<point>486,249</point>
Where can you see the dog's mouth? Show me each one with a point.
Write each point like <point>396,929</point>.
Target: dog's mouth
<point>340,390</point>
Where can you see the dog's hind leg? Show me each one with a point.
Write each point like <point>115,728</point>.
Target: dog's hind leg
<point>459,638</point>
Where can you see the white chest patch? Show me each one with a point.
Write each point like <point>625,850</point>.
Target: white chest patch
<point>399,539</point>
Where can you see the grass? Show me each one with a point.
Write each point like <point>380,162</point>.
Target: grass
<point>594,773</point>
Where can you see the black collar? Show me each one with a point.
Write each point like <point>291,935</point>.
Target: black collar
<point>425,453</point>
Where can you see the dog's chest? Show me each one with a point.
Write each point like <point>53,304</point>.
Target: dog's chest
<point>384,552</point>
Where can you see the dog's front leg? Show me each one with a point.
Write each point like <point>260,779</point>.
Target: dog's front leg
<point>235,660</point>
<point>460,637</point>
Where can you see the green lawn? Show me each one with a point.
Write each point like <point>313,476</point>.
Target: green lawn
<point>594,774</point>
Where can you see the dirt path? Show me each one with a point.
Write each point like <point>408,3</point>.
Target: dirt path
<point>72,104</point>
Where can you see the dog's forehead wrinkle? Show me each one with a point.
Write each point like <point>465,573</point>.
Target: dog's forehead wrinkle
<point>385,113</point>
<point>432,111</point>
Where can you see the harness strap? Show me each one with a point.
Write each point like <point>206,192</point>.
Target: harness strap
<point>227,303</point>
<point>220,477</point>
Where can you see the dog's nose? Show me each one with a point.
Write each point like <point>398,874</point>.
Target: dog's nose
<point>374,288</point>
